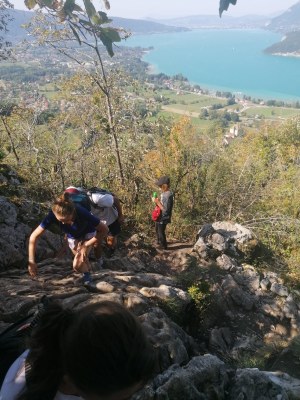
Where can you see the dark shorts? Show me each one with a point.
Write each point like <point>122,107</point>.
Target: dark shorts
<point>114,228</point>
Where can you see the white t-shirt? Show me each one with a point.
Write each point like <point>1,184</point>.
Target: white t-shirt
<point>15,382</point>
<point>106,212</point>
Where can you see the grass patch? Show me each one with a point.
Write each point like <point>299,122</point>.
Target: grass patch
<point>174,309</point>
<point>190,98</point>
<point>251,361</point>
<point>197,122</point>
<point>200,293</point>
<point>272,112</point>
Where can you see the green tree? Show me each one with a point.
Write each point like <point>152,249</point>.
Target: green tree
<point>89,27</point>
<point>5,17</point>
<point>81,28</point>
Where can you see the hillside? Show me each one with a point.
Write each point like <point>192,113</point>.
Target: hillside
<point>288,21</point>
<point>15,30</point>
<point>17,33</point>
<point>290,44</point>
<point>143,26</point>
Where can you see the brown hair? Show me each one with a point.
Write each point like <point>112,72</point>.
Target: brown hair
<point>109,344</point>
<point>102,348</point>
<point>63,205</point>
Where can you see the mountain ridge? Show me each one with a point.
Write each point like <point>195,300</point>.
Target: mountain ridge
<point>20,17</point>
<point>202,21</point>
<point>288,21</point>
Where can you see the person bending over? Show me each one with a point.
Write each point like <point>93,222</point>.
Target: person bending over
<point>97,353</point>
<point>83,231</point>
<point>107,207</point>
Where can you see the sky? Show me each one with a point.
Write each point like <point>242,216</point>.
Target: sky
<point>176,8</point>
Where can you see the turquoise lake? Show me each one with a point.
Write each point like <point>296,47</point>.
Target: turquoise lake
<point>226,60</point>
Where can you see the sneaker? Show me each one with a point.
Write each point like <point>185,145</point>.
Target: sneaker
<point>87,279</point>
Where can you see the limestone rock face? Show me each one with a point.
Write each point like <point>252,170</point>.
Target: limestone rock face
<point>19,295</point>
<point>254,384</point>
<point>207,377</point>
<point>14,236</point>
<point>193,381</point>
<point>224,237</point>
<point>246,309</point>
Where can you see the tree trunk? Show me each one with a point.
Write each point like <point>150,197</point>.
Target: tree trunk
<point>6,127</point>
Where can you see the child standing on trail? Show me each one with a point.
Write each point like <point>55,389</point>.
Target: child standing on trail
<point>165,203</point>
<point>83,231</point>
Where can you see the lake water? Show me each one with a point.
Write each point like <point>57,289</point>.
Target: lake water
<point>226,60</point>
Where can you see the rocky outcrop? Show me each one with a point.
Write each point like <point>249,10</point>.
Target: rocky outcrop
<point>246,311</point>
<point>13,235</point>
<point>207,377</point>
<point>249,310</point>
<point>15,231</point>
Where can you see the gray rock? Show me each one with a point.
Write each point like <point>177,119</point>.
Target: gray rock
<point>136,303</point>
<point>8,212</point>
<point>244,343</point>
<point>104,287</point>
<point>279,289</point>
<point>272,308</point>
<point>3,179</point>
<point>225,262</point>
<point>235,231</point>
<point>206,230</point>
<point>218,242</point>
<point>204,377</point>
<point>265,284</point>
<point>290,308</point>
<point>251,384</point>
<point>14,235</point>
<point>219,237</point>
<point>200,248</point>
<point>237,294</point>
<point>164,292</point>
<point>220,340</point>
<point>146,279</point>
<point>162,332</point>
<point>248,278</point>
<point>272,276</point>
<point>286,382</point>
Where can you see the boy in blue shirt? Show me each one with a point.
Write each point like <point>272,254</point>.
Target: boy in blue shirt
<point>83,231</point>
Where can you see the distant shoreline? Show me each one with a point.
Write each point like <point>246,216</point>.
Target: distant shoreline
<point>151,69</point>
<point>284,91</point>
<point>295,54</point>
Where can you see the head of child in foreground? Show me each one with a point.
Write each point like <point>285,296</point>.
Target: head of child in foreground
<point>103,352</point>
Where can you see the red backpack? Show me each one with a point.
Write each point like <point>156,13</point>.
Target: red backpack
<point>156,213</point>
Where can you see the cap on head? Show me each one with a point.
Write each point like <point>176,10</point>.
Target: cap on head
<point>72,189</point>
<point>163,180</point>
